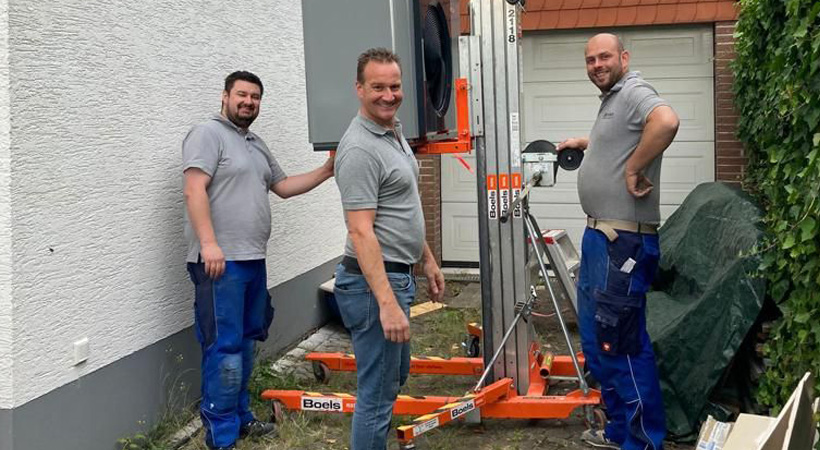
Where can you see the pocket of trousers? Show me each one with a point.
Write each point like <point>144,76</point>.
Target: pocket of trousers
<point>617,323</point>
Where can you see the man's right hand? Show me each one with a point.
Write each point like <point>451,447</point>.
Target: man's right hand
<point>579,143</point>
<point>214,260</point>
<point>394,323</point>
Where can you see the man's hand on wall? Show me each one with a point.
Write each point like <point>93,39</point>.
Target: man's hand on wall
<point>214,260</point>
<point>394,323</point>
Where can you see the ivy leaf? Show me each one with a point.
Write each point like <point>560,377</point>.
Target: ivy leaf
<point>808,227</point>
<point>803,317</point>
<point>816,139</point>
<point>789,242</point>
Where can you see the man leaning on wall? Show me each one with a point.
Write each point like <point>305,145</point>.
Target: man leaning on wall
<point>619,251</point>
<point>377,175</point>
<point>228,172</point>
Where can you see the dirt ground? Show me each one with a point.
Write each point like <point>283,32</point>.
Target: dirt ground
<point>438,333</point>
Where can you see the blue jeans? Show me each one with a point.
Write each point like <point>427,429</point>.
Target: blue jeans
<point>230,314</point>
<point>612,317</point>
<point>381,366</point>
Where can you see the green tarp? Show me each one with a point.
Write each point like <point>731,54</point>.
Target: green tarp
<point>705,297</point>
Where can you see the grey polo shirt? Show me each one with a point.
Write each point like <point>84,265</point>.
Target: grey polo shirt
<point>375,169</point>
<point>615,135</point>
<point>242,169</point>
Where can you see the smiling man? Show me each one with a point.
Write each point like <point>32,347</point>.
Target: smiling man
<point>377,176</point>
<point>228,172</point>
<point>619,251</point>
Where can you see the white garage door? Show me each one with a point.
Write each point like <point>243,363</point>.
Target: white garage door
<point>560,102</point>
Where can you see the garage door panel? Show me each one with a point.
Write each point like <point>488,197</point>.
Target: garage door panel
<point>556,111</point>
<point>685,165</point>
<point>459,232</point>
<point>560,57</point>
<point>550,58</point>
<point>687,53</point>
<point>693,101</point>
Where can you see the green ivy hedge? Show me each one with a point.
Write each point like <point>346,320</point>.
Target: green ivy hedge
<point>777,89</point>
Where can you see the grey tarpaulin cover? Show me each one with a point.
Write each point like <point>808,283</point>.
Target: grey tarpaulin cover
<point>705,297</point>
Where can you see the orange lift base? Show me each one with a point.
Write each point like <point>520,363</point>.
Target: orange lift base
<point>499,400</point>
<point>344,362</point>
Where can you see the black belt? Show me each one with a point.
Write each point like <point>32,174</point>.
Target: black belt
<point>351,265</point>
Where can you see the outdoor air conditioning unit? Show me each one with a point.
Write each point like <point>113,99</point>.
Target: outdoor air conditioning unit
<point>424,33</point>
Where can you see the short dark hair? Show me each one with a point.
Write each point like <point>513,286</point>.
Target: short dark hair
<point>244,76</point>
<point>379,54</point>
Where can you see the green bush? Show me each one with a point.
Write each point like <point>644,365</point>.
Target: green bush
<point>777,89</point>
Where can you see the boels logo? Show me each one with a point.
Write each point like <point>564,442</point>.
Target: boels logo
<point>322,404</point>
<point>459,411</point>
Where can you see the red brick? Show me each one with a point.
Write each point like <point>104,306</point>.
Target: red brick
<point>630,3</point>
<point>536,5</point>
<point>723,153</point>
<point>736,161</point>
<point>610,3</point>
<point>572,4</point>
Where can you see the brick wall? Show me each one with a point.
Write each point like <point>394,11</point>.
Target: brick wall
<point>430,190</point>
<point>730,159</point>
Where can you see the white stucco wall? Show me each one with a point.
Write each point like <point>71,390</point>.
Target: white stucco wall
<point>5,217</point>
<point>102,93</point>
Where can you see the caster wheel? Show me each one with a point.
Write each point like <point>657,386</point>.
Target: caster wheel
<point>471,346</point>
<point>474,350</point>
<point>596,420</point>
<point>277,411</point>
<point>321,372</point>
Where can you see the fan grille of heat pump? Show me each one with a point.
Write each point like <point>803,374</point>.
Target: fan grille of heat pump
<point>438,62</point>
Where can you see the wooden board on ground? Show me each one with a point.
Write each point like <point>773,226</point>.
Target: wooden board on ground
<point>424,308</point>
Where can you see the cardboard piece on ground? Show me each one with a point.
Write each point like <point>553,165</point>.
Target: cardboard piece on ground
<point>713,434</point>
<point>792,429</point>
<point>747,430</point>
<point>424,308</point>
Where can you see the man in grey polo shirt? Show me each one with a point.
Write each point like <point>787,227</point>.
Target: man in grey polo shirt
<point>620,252</point>
<point>228,173</point>
<point>377,176</point>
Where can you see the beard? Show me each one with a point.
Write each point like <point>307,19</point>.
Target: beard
<point>614,75</point>
<point>242,121</point>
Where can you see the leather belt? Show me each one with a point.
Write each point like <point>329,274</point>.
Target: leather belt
<point>352,266</point>
<point>610,227</point>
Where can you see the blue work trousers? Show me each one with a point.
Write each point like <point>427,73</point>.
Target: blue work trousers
<point>381,366</point>
<point>231,313</point>
<point>612,315</point>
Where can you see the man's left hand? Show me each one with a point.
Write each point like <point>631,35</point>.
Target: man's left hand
<point>637,184</point>
<point>435,281</point>
<point>328,165</point>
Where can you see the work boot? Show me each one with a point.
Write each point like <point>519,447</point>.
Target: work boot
<point>596,438</point>
<point>256,428</point>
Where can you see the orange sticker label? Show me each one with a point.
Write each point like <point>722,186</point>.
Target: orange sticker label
<point>491,183</point>
<point>516,180</point>
<point>504,181</point>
